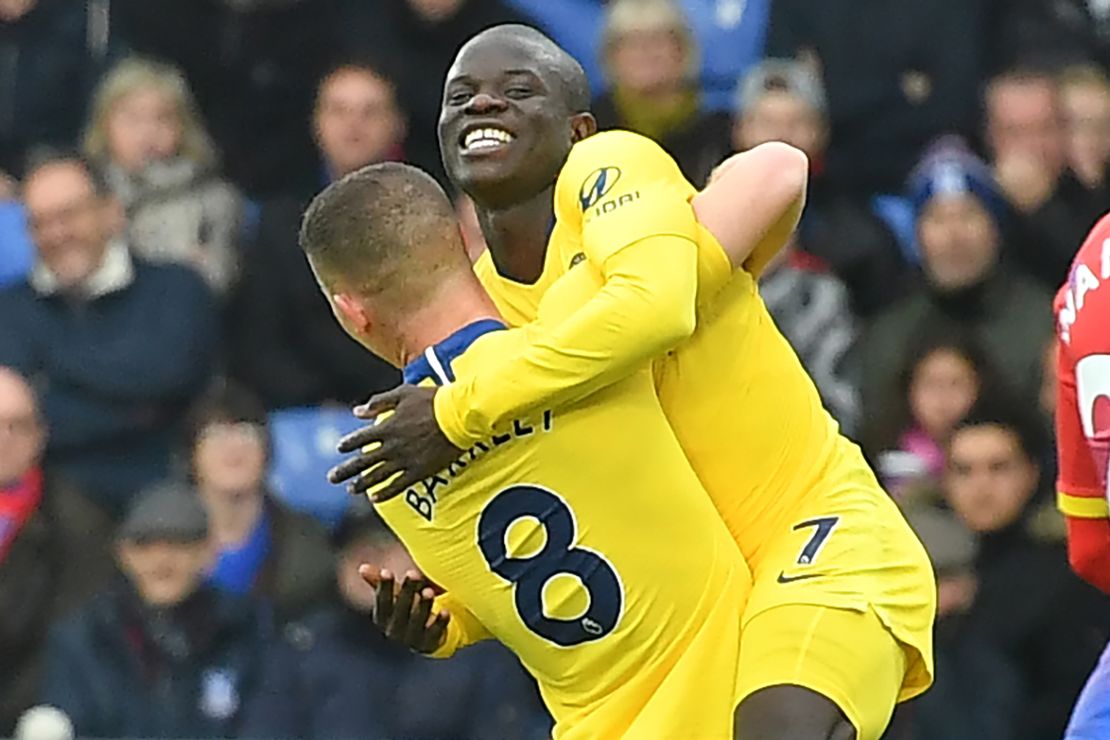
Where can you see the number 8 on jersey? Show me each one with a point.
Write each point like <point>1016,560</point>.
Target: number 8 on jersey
<point>530,574</point>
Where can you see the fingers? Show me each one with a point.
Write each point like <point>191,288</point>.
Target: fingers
<point>383,602</point>
<point>380,402</point>
<point>433,636</point>
<point>371,575</point>
<point>418,622</point>
<point>354,466</point>
<point>395,487</point>
<point>373,478</point>
<point>402,607</point>
<point>360,438</point>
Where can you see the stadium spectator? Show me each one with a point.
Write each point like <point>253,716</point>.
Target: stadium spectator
<point>1027,139</point>
<point>1085,94</point>
<point>651,58</point>
<point>149,142</point>
<point>54,547</point>
<point>51,53</point>
<point>899,73</point>
<point>414,42</point>
<point>575,25</point>
<point>1050,626</point>
<point>811,308</point>
<point>943,376</point>
<point>965,287</point>
<point>263,548</point>
<point>117,347</point>
<point>159,654</point>
<point>253,66</point>
<point>285,344</point>
<point>731,35</point>
<point>976,692</point>
<point>357,683</point>
<point>783,100</point>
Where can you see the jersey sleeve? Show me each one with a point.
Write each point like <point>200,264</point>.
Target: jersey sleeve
<point>1083,408</point>
<point>638,227</point>
<point>617,188</point>
<point>463,628</point>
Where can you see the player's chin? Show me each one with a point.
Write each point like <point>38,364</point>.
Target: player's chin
<point>486,171</point>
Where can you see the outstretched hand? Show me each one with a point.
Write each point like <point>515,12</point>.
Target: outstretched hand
<point>398,451</point>
<point>404,613</point>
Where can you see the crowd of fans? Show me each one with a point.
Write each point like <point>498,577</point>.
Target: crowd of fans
<point>172,562</point>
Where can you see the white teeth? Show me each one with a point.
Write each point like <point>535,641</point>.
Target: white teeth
<point>486,138</point>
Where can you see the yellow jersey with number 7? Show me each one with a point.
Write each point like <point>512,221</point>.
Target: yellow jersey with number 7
<point>746,413</point>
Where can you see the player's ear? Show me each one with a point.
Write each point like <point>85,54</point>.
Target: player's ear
<point>351,312</point>
<point>582,125</point>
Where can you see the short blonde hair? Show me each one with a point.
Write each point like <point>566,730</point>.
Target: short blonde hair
<point>623,17</point>
<point>132,75</point>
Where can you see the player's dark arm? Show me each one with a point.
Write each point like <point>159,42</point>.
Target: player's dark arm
<point>645,307</point>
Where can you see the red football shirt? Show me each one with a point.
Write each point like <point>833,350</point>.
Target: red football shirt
<point>1083,406</point>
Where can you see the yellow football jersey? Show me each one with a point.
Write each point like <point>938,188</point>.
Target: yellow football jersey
<point>605,568</point>
<point>745,411</point>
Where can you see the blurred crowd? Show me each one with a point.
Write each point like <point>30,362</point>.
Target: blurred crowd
<point>172,384</point>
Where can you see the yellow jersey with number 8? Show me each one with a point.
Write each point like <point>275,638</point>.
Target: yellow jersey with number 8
<point>604,567</point>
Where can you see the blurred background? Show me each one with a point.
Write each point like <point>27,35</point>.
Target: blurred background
<point>172,384</point>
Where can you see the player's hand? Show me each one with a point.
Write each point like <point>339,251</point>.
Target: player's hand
<point>404,613</point>
<point>409,443</point>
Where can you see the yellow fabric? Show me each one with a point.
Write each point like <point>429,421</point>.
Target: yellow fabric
<point>744,410</point>
<point>869,560</point>
<point>645,116</point>
<point>682,582</point>
<point>847,656</point>
<point>463,628</point>
<point>1082,507</point>
<point>644,256</point>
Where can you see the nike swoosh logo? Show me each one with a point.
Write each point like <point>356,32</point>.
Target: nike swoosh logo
<point>783,578</point>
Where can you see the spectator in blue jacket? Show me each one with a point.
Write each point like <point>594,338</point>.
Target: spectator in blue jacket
<point>116,347</point>
<point>161,655</point>
<point>353,682</point>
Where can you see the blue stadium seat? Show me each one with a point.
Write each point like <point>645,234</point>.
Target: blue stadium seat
<point>304,441</point>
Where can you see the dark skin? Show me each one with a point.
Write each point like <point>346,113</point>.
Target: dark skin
<point>512,191</point>
<point>404,611</point>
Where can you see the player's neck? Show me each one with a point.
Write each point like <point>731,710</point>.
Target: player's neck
<point>454,308</point>
<point>517,236</point>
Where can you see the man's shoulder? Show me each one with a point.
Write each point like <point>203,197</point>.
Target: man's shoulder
<point>617,145</point>
<point>17,292</point>
<point>168,277</point>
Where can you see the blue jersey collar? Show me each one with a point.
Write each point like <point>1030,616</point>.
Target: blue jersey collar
<point>435,363</point>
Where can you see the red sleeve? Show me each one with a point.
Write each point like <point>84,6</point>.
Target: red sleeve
<point>1083,407</point>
